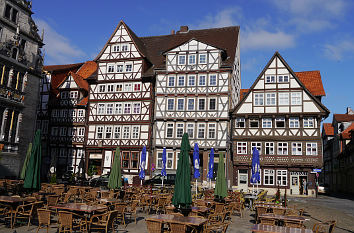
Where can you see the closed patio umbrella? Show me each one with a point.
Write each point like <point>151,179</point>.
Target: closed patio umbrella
<point>25,163</point>
<point>115,177</point>
<point>182,192</point>
<point>163,170</point>
<point>33,170</point>
<point>142,165</point>
<point>196,163</point>
<point>221,187</point>
<point>255,178</point>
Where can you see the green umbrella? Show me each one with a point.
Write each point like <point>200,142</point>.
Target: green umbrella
<point>182,196</point>
<point>25,164</point>
<point>220,187</point>
<point>115,177</point>
<point>33,171</point>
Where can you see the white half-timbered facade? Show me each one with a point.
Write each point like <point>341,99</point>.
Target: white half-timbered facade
<point>280,115</point>
<point>120,104</point>
<point>194,93</point>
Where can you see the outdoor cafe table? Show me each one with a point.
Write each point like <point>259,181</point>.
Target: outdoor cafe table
<point>78,207</point>
<point>14,200</point>
<point>259,228</point>
<point>170,218</point>
<point>283,217</point>
<point>250,199</point>
<point>109,200</point>
<point>195,209</point>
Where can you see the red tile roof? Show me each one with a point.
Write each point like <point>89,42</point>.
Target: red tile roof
<point>312,81</point>
<point>87,69</point>
<point>343,117</point>
<point>243,93</point>
<point>346,133</point>
<point>83,84</point>
<point>62,67</point>
<point>84,101</point>
<point>328,129</point>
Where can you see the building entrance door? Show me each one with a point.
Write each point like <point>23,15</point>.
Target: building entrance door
<point>294,187</point>
<point>298,182</point>
<point>243,180</point>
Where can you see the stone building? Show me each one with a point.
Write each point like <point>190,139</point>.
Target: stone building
<point>20,72</point>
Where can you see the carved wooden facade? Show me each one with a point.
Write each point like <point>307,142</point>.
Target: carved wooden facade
<point>280,115</point>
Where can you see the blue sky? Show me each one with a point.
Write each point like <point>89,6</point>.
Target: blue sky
<point>309,34</point>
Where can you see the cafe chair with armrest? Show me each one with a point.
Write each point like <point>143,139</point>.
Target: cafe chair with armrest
<point>293,224</point>
<point>104,221</point>
<point>324,227</point>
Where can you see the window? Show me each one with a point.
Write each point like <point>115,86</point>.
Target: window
<point>118,109</point>
<point>202,81</point>
<point>258,146</point>
<point>128,68</point>
<point>212,131</point>
<point>241,148</point>
<point>282,148</point>
<point>124,47</point>
<point>108,132</point>
<point>64,95</point>
<point>296,98</point>
<point>254,123</point>
<point>309,122</point>
<point>100,108</point>
<point>170,104</point>
<point>109,109</point>
<point>191,59</point>
<point>280,122</point>
<point>311,148</point>
<point>269,148</point>
<point>181,60</point>
<point>180,81</point>
<point>127,108</point>
<point>282,176</point>
<point>169,131</point>
<point>294,122</point>
<point>81,131</point>
<point>283,78</point>
<point>270,79</point>
<point>116,48</point>
<point>99,132</point>
<point>117,132</point>
<point>171,81</point>
<point>137,87</point>
<point>119,87</point>
<point>54,131</point>
<point>11,13</point>
<point>179,131</point>
<point>102,88</point>
<point>268,177</point>
<point>110,69</point>
<point>169,160</point>
<point>240,122</point>
<point>125,159</point>
<point>190,130</point>
<point>267,123</point>
<point>126,132</point>
<point>119,68</point>
<point>191,80</point>
<point>270,99</point>
<point>258,99</point>
<point>212,104</point>
<point>283,98</point>
<point>201,131</point>
<point>134,160</point>
<point>136,108</point>
<point>296,148</point>
<point>8,9</point>
<point>212,80</point>
<point>128,87</point>
<point>202,58</point>
<point>190,104</point>
<point>81,113</point>
<point>201,104</point>
<point>135,132</point>
<point>180,104</point>
<point>110,87</point>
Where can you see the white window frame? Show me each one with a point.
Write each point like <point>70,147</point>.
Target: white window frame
<point>296,148</point>
<point>241,148</point>
<point>124,48</point>
<point>296,98</point>
<point>115,48</point>
<point>270,79</point>
<point>213,80</point>
<point>119,87</point>
<point>282,177</point>
<point>179,130</point>
<point>120,68</point>
<point>201,129</point>
<point>181,59</point>
<point>136,108</point>
<point>190,130</point>
<point>283,78</point>
<point>258,146</point>
<point>192,59</point>
<point>137,85</point>
<point>283,98</point>
<point>268,173</point>
<point>110,68</point>
<point>109,109</point>
<point>209,104</point>
<point>117,132</point>
<point>181,81</point>
<point>180,104</point>
<point>202,80</point>
<point>169,126</point>
<point>199,100</point>
<point>171,81</point>
<point>102,88</point>
<point>108,131</point>
<point>211,131</point>
<point>99,130</point>
<point>128,67</point>
<point>101,109</point>
<point>202,60</point>
<point>267,123</point>
<point>240,122</point>
<point>135,132</point>
<point>119,108</point>
<point>190,106</point>
<point>269,147</point>
<point>311,148</point>
<point>81,131</point>
<point>282,148</point>
<point>258,99</point>
<point>191,80</point>
<point>170,104</point>
<point>294,122</point>
<point>308,122</point>
<point>126,132</point>
<point>271,99</point>
<point>278,120</point>
<point>127,108</point>
<point>128,87</point>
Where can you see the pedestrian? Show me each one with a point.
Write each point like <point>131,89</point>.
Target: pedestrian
<point>304,186</point>
<point>307,188</point>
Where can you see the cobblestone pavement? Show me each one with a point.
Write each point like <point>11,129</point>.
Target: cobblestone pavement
<point>321,209</point>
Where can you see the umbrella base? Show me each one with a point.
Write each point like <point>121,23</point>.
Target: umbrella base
<point>185,210</point>
<point>219,199</point>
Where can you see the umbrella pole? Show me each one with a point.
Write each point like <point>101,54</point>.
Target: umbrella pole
<point>196,189</point>
<point>210,183</point>
<point>162,180</point>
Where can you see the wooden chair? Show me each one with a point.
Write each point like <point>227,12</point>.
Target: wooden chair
<point>266,221</point>
<point>7,212</point>
<point>278,211</point>
<point>104,221</point>
<point>324,227</point>
<point>132,210</point>
<point>154,226</point>
<point>293,224</point>
<point>237,207</point>
<point>259,211</point>
<point>67,223</point>
<point>43,219</point>
<point>52,200</point>
<point>120,208</point>
<point>220,227</point>
<point>26,212</point>
<point>178,227</point>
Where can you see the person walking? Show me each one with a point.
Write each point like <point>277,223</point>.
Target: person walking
<point>304,184</point>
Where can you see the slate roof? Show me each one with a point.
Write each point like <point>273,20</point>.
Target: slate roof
<point>313,82</point>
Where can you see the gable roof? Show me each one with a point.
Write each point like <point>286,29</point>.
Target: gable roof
<point>328,129</point>
<point>58,68</point>
<point>243,93</point>
<point>87,69</point>
<point>313,82</point>
<point>276,54</point>
<point>346,133</point>
<point>343,117</point>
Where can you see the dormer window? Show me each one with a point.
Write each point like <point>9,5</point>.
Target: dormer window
<point>181,60</point>
<point>191,59</point>
<point>11,13</point>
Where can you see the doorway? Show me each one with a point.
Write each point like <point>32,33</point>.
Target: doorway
<point>243,180</point>
<point>298,185</point>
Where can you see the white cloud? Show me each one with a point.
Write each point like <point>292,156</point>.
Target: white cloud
<point>224,18</point>
<point>261,39</point>
<point>338,50</point>
<point>58,48</point>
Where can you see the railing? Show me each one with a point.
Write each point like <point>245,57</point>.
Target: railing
<point>281,160</point>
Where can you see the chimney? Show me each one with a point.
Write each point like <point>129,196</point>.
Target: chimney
<point>172,32</point>
<point>183,29</point>
<point>350,111</point>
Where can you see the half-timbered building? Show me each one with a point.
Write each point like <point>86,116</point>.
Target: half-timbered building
<point>197,83</point>
<point>67,107</point>
<point>280,115</point>
<point>120,104</point>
